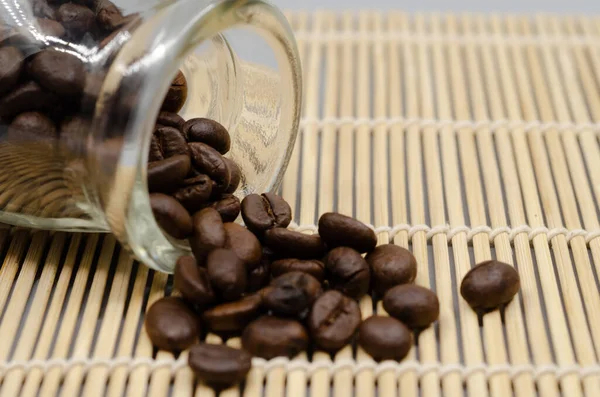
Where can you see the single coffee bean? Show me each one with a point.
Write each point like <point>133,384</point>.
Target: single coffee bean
<point>192,281</point>
<point>233,316</point>
<point>229,207</point>
<point>291,244</point>
<point>245,244</point>
<point>11,65</point>
<point>209,132</point>
<point>165,175</point>
<point>177,94</point>
<point>310,266</point>
<point>227,274</point>
<point>219,365</point>
<point>28,97</point>
<point>333,320</point>
<point>77,19</point>
<point>170,142</point>
<point>347,272</point>
<point>210,162</point>
<point>264,212</point>
<point>259,277</point>
<point>195,192</point>
<point>32,126</point>
<point>172,325</point>
<point>235,176</point>
<point>292,293</point>
<point>270,337</point>
<point>42,9</point>
<point>171,216</point>
<point>384,338</point>
<point>209,233</point>
<point>490,285</point>
<point>415,306</point>
<point>108,16</point>
<point>171,120</point>
<point>59,72</point>
<point>391,265</point>
<point>339,230</point>
<point>50,27</point>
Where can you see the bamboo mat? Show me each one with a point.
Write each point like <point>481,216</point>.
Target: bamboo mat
<point>460,137</point>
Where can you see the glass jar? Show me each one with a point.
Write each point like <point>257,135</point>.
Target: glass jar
<point>74,150</point>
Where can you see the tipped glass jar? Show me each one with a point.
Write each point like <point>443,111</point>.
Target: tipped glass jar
<point>82,85</point>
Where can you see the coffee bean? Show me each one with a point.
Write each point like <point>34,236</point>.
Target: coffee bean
<point>28,97</point>
<point>227,274</point>
<point>209,132</point>
<point>235,176</point>
<point>11,65</point>
<point>259,277</point>
<point>245,244</point>
<point>108,16</point>
<point>270,337</point>
<point>292,293</point>
<point>310,266</point>
<point>209,233</point>
<point>195,192</point>
<point>50,27</point>
<point>264,212</point>
<point>170,120</point>
<point>77,19</point>
<point>165,175</point>
<point>59,72</point>
<point>233,316</point>
<point>192,281</point>
<point>210,162</point>
<point>347,272</point>
<point>170,142</point>
<point>42,9</point>
<point>291,244</point>
<point>177,94</point>
<point>339,230</point>
<point>32,126</point>
<point>171,216</point>
<point>229,207</point>
<point>490,285</point>
<point>172,325</point>
<point>391,265</point>
<point>415,306</point>
<point>219,365</point>
<point>333,320</point>
<point>384,338</point>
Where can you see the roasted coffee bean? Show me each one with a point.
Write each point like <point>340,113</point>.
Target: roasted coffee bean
<point>292,293</point>
<point>391,265</point>
<point>347,272</point>
<point>28,97</point>
<point>229,207</point>
<point>259,277</point>
<point>209,233</point>
<point>287,243</point>
<point>219,365</point>
<point>195,193</point>
<point>177,94</point>
<point>172,325</point>
<point>171,216</point>
<point>50,27</point>
<point>165,175</point>
<point>170,120</point>
<point>169,142</point>
<point>270,337</point>
<point>42,9</point>
<point>245,244</point>
<point>264,212</point>
<point>313,267</point>
<point>59,72</point>
<point>490,285</point>
<point>233,316</point>
<point>32,126</point>
<point>210,162</point>
<point>333,320</point>
<point>108,16</point>
<point>235,176</point>
<point>384,338</point>
<point>415,306</point>
<point>192,281</point>
<point>339,230</point>
<point>209,132</point>
<point>77,19</point>
<point>11,65</point>
<point>227,274</point>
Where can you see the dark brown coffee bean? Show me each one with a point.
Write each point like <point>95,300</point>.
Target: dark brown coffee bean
<point>209,132</point>
<point>219,365</point>
<point>195,193</point>
<point>384,338</point>
<point>172,325</point>
<point>77,19</point>
<point>210,162</point>
<point>490,285</point>
<point>170,142</point>
<point>292,293</point>
<point>166,175</point>
<point>11,65</point>
<point>245,244</point>
<point>270,337</point>
<point>32,126</point>
<point>264,212</point>
<point>339,230</point>
<point>229,207</point>
<point>310,266</point>
<point>108,16</point>
<point>347,272</point>
<point>209,233</point>
<point>59,72</point>
<point>333,320</point>
<point>192,281</point>
<point>171,216</point>
<point>235,176</point>
<point>233,316</point>
<point>170,120</point>
<point>50,27</point>
<point>28,97</point>
<point>291,244</point>
<point>227,274</point>
<point>42,9</point>
<point>391,265</point>
<point>415,306</point>
<point>177,94</point>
